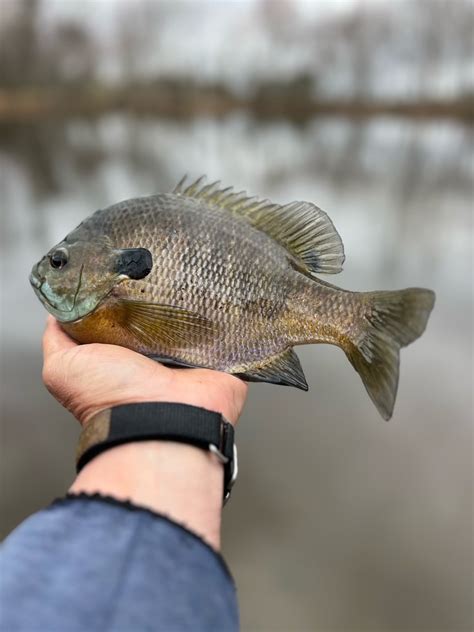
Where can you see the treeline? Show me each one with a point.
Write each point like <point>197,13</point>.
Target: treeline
<point>178,99</point>
<point>409,58</point>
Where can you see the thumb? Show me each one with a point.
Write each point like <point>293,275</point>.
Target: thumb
<point>55,339</point>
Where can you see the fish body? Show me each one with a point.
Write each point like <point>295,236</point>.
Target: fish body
<point>210,278</point>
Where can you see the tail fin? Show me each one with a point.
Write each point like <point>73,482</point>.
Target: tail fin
<point>392,320</point>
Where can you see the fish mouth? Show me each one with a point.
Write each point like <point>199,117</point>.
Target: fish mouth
<point>37,282</point>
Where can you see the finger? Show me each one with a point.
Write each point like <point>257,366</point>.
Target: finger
<point>55,339</point>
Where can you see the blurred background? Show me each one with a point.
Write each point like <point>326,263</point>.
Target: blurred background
<point>339,521</point>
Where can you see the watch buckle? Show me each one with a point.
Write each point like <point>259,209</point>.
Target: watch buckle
<point>225,461</point>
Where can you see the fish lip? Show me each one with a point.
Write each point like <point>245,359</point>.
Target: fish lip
<point>35,279</point>
<point>35,282</point>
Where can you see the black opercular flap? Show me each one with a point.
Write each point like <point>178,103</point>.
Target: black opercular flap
<point>135,263</point>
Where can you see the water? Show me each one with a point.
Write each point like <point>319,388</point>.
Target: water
<point>338,520</point>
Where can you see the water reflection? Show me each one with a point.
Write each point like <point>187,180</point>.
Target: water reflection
<point>339,510</point>
<point>391,181</point>
<point>423,158</point>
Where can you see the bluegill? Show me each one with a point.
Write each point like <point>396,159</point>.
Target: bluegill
<point>207,277</point>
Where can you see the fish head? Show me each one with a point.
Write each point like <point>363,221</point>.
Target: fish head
<point>77,274</point>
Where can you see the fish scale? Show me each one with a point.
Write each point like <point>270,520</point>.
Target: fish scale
<point>219,280</point>
<point>208,277</point>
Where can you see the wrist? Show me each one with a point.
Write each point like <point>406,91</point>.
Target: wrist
<point>181,481</point>
<point>161,421</point>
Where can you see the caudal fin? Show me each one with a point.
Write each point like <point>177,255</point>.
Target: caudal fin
<point>392,320</point>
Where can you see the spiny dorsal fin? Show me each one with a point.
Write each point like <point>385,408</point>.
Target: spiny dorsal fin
<point>302,228</point>
<point>284,368</point>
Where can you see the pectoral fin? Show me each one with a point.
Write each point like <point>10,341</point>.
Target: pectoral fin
<point>164,325</point>
<point>284,369</point>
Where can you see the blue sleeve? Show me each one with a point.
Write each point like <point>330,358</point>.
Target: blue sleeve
<point>89,563</point>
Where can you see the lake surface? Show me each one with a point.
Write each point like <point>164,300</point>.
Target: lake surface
<point>339,520</point>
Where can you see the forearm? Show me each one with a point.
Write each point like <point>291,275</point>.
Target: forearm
<point>93,563</point>
<point>180,481</point>
<point>66,565</point>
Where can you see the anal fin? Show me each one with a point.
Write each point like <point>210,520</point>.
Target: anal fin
<point>284,368</point>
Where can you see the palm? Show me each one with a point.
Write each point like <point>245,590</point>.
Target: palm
<point>89,378</point>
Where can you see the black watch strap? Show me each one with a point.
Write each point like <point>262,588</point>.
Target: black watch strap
<point>147,421</point>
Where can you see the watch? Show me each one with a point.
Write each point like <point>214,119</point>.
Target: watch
<point>162,421</point>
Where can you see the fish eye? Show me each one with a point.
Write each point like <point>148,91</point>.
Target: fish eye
<point>58,259</point>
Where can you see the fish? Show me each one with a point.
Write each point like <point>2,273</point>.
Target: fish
<point>206,276</point>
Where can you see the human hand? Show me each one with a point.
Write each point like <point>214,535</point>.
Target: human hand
<point>92,377</point>
<point>178,480</point>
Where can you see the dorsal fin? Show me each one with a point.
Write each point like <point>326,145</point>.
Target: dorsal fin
<point>302,228</point>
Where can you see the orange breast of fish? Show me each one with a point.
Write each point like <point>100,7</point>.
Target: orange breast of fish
<point>104,325</point>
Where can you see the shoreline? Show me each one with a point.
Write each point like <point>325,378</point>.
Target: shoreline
<point>182,102</point>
